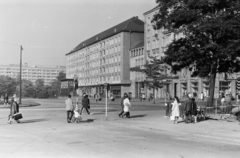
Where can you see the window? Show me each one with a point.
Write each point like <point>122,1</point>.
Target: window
<point>119,48</point>
<point>119,38</point>
<point>148,45</point>
<point>153,44</point>
<point>148,33</point>
<point>116,49</point>
<point>115,39</point>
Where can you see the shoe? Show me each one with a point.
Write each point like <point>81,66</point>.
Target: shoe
<point>119,115</point>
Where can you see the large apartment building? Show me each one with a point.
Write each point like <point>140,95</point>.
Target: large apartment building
<point>32,73</point>
<point>104,58</point>
<point>155,42</point>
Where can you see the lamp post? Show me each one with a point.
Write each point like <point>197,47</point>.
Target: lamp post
<point>106,88</point>
<point>20,78</point>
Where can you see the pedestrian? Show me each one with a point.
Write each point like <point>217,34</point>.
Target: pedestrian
<point>5,100</point>
<point>14,108</point>
<point>175,109</point>
<point>188,109</point>
<point>127,106</point>
<point>85,104</point>
<point>202,96</point>
<point>96,97</point>
<point>122,106</point>
<point>69,108</point>
<point>143,96</point>
<point>194,110</point>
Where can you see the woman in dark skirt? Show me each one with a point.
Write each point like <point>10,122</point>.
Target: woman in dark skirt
<point>14,108</point>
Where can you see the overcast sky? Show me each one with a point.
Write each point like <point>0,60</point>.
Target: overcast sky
<point>48,29</point>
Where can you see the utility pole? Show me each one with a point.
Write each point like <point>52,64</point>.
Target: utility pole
<point>20,95</point>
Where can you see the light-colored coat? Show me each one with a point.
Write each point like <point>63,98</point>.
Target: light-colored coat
<point>69,105</point>
<point>175,108</point>
<point>127,105</point>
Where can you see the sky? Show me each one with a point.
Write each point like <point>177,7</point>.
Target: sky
<point>49,29</point>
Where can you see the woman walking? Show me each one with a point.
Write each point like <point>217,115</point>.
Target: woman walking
<point>14,108</point>
<point>85,104</point>
<point>175,109</point>
<point>127,106</point>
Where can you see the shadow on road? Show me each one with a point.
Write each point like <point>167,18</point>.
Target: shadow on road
<point>87,121</point>
<point>136,116</point>
<point>32,120</point>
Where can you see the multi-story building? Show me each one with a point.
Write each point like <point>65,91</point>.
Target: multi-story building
<point>104,58</point>
<point>137,59</point>
<point>155,42</point>
<point>32,73</point>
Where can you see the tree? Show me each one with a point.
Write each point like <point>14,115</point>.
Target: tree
<point>156,76</point>
<point>211,41</point>
<point>56,84</point>
<point>39,83</point>
<point>7,85</point>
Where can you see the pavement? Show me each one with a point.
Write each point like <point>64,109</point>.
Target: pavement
<point>44,132</point>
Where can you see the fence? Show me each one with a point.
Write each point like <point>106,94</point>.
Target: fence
<point>222,109</point>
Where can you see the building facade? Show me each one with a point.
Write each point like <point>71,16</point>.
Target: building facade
<point>156,42</point>
<point>137,59</point>
<point>32,73</point>
<point>104,58</point>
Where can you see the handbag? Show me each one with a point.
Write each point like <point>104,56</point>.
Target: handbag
<point>17,116</point>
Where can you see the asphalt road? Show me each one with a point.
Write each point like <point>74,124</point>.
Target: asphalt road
<point>45,133</point>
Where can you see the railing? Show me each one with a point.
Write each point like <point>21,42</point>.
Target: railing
<point>206,109</point>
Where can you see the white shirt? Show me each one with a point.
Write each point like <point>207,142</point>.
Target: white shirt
<point>69,105</point>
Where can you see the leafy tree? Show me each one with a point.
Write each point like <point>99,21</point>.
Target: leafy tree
<point>156,76</point>
<point>56,84</point>
<point>211,41</point>
<point>7,85</point>
<point>39,83</point>
<point>61,75</point>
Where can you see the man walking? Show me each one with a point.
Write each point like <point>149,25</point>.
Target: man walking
<point>188,109</point>
<point>69,108</point>
<point>124,96</point>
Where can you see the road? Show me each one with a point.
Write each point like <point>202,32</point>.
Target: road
<point>45,133</point>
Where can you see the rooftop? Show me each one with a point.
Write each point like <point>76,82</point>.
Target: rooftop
<point>133,24</point>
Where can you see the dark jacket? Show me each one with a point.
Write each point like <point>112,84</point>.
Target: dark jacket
<point>194,108</point>
<point>188,105</point>
<point>86,102</point>
<point>122,101</point>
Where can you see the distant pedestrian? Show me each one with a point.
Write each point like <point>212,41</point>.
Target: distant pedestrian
<point>122,106</point>
<point>5,100</point>
<point>69,108</point>
<point>194,110</point>
<point>202,96</point>
<point>14,108</point>
<point>175,109</point>
<point>127,106</point>
<point>85,104</point>
<point>188,109</point>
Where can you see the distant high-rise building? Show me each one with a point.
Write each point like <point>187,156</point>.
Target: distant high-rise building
<point>32,73</point>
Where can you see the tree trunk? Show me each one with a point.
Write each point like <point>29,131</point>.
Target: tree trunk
<point>212,86</point>
<point>154,96</point>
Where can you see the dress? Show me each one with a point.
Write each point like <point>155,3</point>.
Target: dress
<point>175,109</point>
<point>127,105</point>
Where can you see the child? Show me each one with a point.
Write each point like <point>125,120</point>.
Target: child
<point>77,116</point>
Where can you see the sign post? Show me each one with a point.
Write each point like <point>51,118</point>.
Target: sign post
<point>106,87</point>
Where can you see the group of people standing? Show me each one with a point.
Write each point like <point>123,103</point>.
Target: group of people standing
<point>189,108</point>
<point>71,109</point>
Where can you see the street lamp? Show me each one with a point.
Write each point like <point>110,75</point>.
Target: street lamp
<point>20,78</point>
<point>106,88</point>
